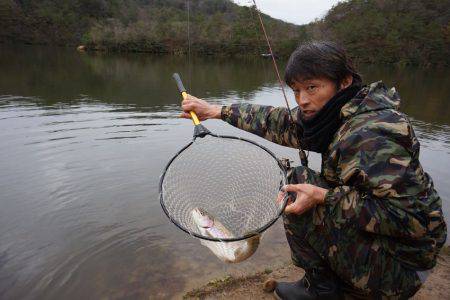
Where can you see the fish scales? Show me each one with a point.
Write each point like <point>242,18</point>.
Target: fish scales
<point>230,252</point>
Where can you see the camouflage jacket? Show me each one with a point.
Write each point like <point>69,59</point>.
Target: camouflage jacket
<point>373,173</point>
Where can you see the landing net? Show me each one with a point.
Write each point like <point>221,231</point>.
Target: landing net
<point>235,180</point>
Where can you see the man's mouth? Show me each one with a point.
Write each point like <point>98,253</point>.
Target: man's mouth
<point>308,113</point>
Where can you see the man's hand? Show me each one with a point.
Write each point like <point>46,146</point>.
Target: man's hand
<point>307,196</point>
<point>203,109</point>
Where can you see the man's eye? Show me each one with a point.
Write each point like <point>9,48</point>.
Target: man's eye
<point>311,87</point>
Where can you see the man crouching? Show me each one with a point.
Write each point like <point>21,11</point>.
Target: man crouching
<point>370,224</point>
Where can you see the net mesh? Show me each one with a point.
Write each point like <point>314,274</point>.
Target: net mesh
<point>235,181</point>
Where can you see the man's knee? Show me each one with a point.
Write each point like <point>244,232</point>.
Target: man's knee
<point>360,261</point>
<point>296,228</point>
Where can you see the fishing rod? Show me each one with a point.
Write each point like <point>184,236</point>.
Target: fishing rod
<point>302,154</point>
<point>273,58</point>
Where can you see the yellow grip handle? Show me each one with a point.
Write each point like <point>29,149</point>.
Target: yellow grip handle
<point>182,90</point>
<point>193,114</point>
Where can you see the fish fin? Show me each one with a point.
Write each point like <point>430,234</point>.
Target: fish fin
<point>247,249</point>
<point>238,252</point>
<point>254,241</point>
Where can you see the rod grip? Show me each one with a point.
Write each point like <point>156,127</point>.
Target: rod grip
<point>183,92</point>
<point>180,85</point>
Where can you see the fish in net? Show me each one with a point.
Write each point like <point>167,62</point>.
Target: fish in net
<point>231,181</point>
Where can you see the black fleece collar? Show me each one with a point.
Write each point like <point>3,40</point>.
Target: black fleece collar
<point>319,131</point>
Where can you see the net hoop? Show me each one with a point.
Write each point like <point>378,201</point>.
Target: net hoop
<point>244,237</point>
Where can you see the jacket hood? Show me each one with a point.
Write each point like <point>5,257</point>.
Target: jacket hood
<point>372,97</point>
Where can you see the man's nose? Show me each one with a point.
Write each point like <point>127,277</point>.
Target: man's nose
<point>302,100</point>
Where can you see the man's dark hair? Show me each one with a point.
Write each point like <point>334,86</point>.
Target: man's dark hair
<point>320,59</point>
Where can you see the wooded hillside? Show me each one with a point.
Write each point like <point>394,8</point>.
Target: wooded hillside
<point>415,32</point>
<point>217,26</point>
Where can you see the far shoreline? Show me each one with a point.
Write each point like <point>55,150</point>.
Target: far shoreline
<point>244,54</point>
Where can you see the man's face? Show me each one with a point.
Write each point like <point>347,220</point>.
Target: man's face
<point>312,94</point>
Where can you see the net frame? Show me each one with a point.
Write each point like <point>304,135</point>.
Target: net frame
<point>200,132</point>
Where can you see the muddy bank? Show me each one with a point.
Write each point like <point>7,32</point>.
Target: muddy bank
<point>251,286</point>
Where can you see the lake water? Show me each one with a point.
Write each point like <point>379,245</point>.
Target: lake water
<point>84,138</point>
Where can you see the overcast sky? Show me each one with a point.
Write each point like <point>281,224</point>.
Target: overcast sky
<point>293,11</point>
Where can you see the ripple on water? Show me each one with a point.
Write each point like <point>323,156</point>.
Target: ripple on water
<point>61,181</point>
<point>435,137</point>
<point>128,257</point>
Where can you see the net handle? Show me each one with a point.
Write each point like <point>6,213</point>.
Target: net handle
<point>183,92</point>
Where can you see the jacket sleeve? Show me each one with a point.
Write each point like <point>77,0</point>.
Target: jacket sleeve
<point>384,188</point>
<point>271,123</point>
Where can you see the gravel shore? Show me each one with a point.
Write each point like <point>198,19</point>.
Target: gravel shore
<point>250,286</point>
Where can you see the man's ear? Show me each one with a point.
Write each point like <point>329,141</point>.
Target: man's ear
<point>346,82</point>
